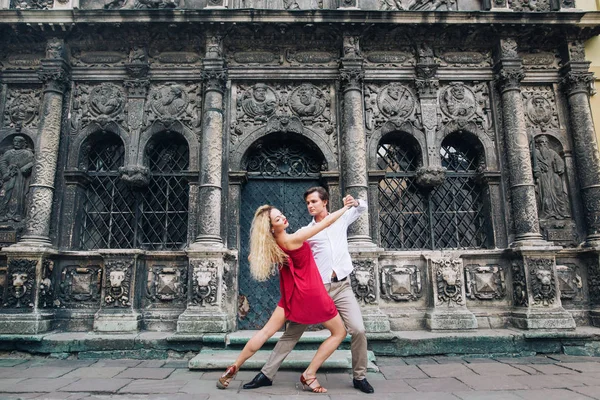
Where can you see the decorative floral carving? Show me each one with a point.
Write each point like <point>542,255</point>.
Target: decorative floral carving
<point>167,284</point>
<point>401,283</point>
<point>204,282</point>
<point>32,4</point>
<point>363,281</point>
<point>543,285</point>
<point>21,279</point>
<point>79,286</point>
<point>449,281</point>
<point>529,5</point>
<point>510,78</point>
<point>485,283</point>
<point>117,283</point>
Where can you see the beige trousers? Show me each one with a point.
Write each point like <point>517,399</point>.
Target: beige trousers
<point>349,310</point>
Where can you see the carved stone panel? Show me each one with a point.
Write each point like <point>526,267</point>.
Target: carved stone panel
<point>79,286</point>
<point>21,284</point>
<point>448,283</point>
<point>529,5</point>
<point>363,281</point>
<point>540,60</point>
<point>118,288</point>
<point>173,102</point>
<point>540,108</point>
<point>22,108</point>
<point>462,104</point>
<point>204,284</point>
<point>394,103</point>
<point>46,285</point>
<point>32,4</point>
<point>166,285</point>
<point>401,283</point>
<point>543,284</point>
<point>570,282</point>
<point>101,104</point>
<point>520,296</point>
<point>485,282</point>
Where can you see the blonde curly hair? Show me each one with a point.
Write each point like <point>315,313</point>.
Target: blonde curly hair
<point>265,253</point>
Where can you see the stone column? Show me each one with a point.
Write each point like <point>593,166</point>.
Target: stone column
<point>510,72</point>
<point>214,76</point>
<point>353,137</point>
<point>55,75</point>
<point>4,4</point>
<point>577,82</point>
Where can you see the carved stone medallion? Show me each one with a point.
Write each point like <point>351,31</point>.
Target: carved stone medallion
<point>396,101</point>
<point>363,281</point>
<point>458,101</point>
<point>540,108</point>
<point>401,283</point>
<point>307,101</point>
<point>485,283</point>
<point>22,107</point>
<point>106,100</point>
<point>259,102</point>
<point>169,101</point>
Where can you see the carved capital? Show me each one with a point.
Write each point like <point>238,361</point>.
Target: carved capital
<point>579,82</point>
<point>351,79</point>
<point>214,79</point>
<point>55,75</point>
<point>510,78</point>
<point>137,88</point>
<point>427,87</point>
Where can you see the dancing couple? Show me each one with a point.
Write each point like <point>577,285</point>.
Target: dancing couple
<point>314,266</point>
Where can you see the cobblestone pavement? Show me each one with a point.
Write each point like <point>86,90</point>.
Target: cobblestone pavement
<point>441,378</point>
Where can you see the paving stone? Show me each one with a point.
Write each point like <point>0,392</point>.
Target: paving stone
<point>403,371</point>
<point>495,369</point>
<point>418,360</point>
<point>526,360</point>
<point>569,359</point>
<point>8,372</point>
<point>151,364</point>
<point>7,383</point>
<point>587,379</point>
<point>551,394</point>
<point>487,395</point>
<point>176,364</point>
<point>20,396</point>
<point>545,381</point>
<point>44,372</point>
<point>210,387</point>
<point>95,372</point>
<point>591,391</point>
<point>150,386</point>
<point>551,369</point>
<point>111,385</point>
<point>449,360</point>
<point>382,360</point>
<point>43,385</point>
<point>445,370</point>
<point>185,375</point>
<point>437,385</point>
<point>118,363</point>
<point>583,366</point>
<point>393,396</point>
<point>58,363</point>
<point>491,382</point>
<point>64,396</point>
<point>11,362</point>
<point>479,360</point>
<point>145,373</point>
<point>527,369</point>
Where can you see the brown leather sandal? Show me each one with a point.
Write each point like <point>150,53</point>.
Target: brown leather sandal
<point>307,384</point>
<point>225,379</point>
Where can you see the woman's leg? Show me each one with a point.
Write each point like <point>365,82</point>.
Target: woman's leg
<point>256,342</point>
<point>326,349</point>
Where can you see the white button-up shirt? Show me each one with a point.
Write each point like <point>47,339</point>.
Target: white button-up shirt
<point>330,246</point>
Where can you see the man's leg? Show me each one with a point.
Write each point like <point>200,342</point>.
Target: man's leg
<point>349,310</point>
<point>284,346</point>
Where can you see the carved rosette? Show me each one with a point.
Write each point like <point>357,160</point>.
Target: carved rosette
<point>204,283</point>
<point>21,284</point>
<point>214,80</point>
<point>570,282</point>
<point>540,108</point>
<point>579,82</point>
<point>46,286</point>
<point>543,284</point>
<point>22,108</point>
<point>520,296</point>
<point>351,79</point>
<point>448,276</point>
<point>79,286</point>
<point>485,282</point>
<point>167,285</point>
<point>363,281</point>
<point>401,283</point>
<point>118,279</point>
<point>510,78</point>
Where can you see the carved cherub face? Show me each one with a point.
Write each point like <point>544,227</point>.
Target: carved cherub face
<point>116,278</point>
<point>362,277</point>
<point>19,279</point>
<point>544,276</point>
<point>449,275</point>
<point>203,278</point>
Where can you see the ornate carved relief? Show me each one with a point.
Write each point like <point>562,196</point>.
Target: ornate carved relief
<point>16,165</point>
<point>32,4</point>
<point>570,282</point>
<point>22,108</point>
<point>79,286</point>
<point>167,284</point>
<point>173,102</point>
<point>543,285</point>
<point>577,51</point>
<point>465,59</point>
<point>204,283</point>
<point>20,288</point>
<point>448,281</point>
<point>46,293</point>
<point>384,58</point>
<point>363,281</point>
<point>101,104</point>
<point>117,283</point>
<point>529,5</point>
<point>541,60</point>
<point>259,102</point>
<point>485,283</point>
<point>156,4</point>
<point>464,105</point>
<point>432,5</point>
<point>394,102</point>
<point>307,102</point>
<point>540,108</point>
<point>593,281</point>
<point>520,296</point>
<point>401,283</point>
<point>391,5</point>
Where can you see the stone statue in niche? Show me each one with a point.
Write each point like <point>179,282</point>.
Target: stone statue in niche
<point>15,166</point>
<point>548,169</point>
<point>307,101</point>
<point>396,101</point>
<point>539,110</point>
<point>259,102</point>
<point>457,101</point>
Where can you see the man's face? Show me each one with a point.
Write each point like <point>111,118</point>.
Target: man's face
<point>315,205</point>
<point>260,94</point>
<point>394,92</point>
<point>458,92</point>
<point>305,95</point>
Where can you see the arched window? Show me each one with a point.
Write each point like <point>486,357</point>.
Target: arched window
<point>164,207</point>
<point>403,214</point>
<point>457,206</point>
<point>109,205</point>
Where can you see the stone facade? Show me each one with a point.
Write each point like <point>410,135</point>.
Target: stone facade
<point>134,146</point>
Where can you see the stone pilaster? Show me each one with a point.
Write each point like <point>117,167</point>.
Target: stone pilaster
<point>117,306</point>
<point>447,303</point>
<point>236,180</point>
<point>510,72</point>
<point>577,82</point>
<point>54,73</point>
<point>214,76</point>
<point>353,137</point>
<point>4,4</point>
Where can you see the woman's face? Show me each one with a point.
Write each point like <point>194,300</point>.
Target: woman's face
<point>278,221</point>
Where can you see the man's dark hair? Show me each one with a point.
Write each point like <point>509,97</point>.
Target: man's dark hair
<point>323,195</point>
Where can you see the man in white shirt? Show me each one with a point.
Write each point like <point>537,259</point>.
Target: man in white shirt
<point>330,249</point>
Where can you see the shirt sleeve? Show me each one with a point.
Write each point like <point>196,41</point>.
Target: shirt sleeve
<point>352,214</point>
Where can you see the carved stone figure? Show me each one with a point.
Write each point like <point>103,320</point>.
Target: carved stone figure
<point>15,167</point>
<point>54,48</point>
<point>259,102</point>
<point>430,5</point>
<point>449,284</point>
<point>307,101</point>
<point>22,108</point>
<point>117,284</point>
<point>169,101</point>
<point>205,285</point>
<point>548,168</point>
<point>391,5</point>
<point>543,286</point>
<point>457,101</point>
<point>539,110</point>
<point>106,100</point>
<point>396,101</point>
<point>363,282</point>
<point>156,3</point>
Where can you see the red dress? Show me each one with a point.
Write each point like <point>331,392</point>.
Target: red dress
<point>303,295</point>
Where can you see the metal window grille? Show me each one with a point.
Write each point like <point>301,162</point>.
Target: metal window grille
<point>115,216</point>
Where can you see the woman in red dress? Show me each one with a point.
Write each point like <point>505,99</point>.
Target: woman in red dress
<point>303,295</point>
